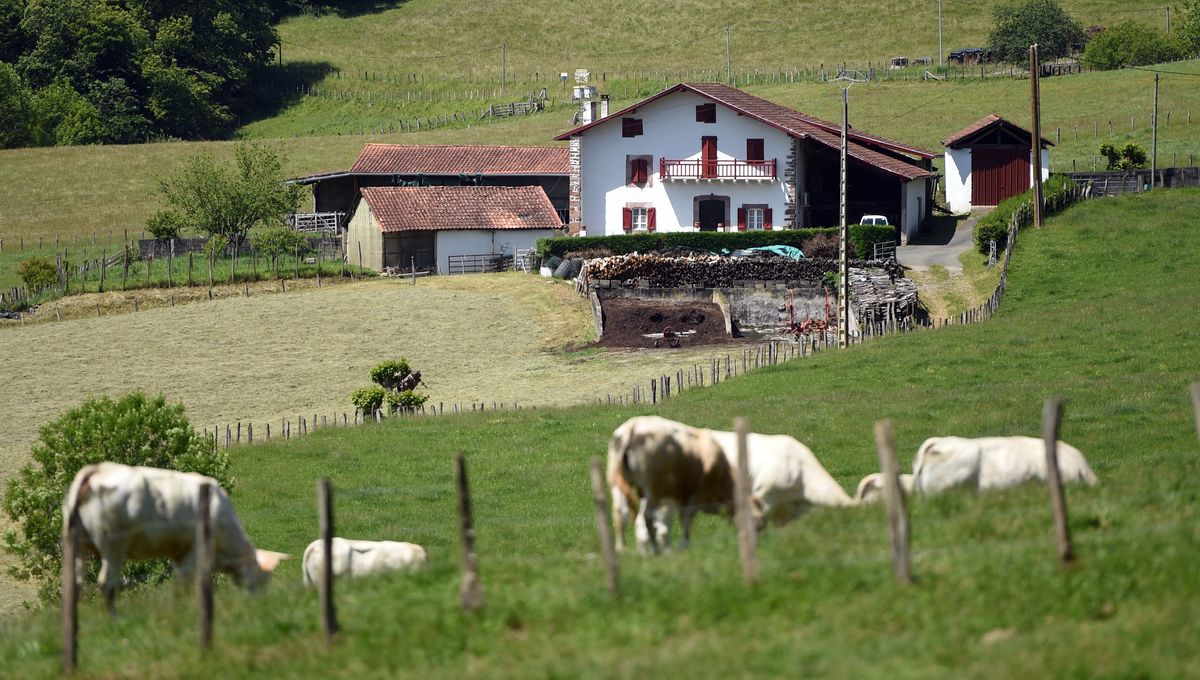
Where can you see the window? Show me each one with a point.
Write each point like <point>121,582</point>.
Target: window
<point>754,150</point>
<point>706,113</point>
<point>631,127</point>
<point>638,217</point>
<point>637,170</point>
<point>754,218</point>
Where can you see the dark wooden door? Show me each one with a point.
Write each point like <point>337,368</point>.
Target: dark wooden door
<point>708,156</point>
<point>998,172</point>
<point>404,249</point>
<point>712,213</point>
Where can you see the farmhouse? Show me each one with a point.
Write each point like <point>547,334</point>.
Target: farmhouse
<point>446,229</point>
<point>989,161</point>
<point>708,157</point>
<point>440,165</point>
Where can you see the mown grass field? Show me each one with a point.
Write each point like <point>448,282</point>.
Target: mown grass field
<point>1097,311</point>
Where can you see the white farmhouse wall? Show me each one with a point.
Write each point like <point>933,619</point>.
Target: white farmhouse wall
<point>484,242</point>
<point>914,207</point>
<point>363,235</point>
<point>958,180</point>
<point>1045,166</point>
<point>670,130</point>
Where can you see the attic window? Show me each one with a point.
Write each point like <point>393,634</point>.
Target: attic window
<point>631,127</point>
<point>706,113</point>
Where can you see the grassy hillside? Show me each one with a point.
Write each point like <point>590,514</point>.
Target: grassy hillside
<point>989,602</point>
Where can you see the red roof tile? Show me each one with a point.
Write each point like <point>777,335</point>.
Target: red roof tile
<point>985,123</point>
<point>460,207</point>
<point>458,159</point>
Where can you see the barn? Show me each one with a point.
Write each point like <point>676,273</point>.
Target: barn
<point>446,229</point>
<point>989,161</point>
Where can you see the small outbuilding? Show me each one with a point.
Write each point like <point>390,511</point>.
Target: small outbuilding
<point>446,229</point>
<point>989,161</point>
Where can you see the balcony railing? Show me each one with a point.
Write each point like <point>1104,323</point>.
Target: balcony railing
<point>698,168</point>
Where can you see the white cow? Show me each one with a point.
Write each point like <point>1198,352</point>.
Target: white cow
<point>360,558</point>
<point>870,489</point>
<point>992,463</point>
<point>786,479</point>
<point>658,465</point>
<point>143,513</point>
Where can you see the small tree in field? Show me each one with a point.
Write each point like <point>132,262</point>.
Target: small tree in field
<point>1130,44</point>
<point>217,200</point>
<point>395,385</point>
<point>134,430</point>
<point>1129,157</point>
<point>38,273</point>
<point>1017,26</point>
<point>275,241</point>
<point>1189,28</point>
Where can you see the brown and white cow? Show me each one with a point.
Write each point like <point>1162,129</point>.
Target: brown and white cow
<point>142,513</point>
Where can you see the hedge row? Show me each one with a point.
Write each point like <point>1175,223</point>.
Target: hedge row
<point>1057,192</point>
<point>863,236</point>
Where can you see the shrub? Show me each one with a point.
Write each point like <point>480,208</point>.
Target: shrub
<point>165,224</point>
<point>1129,157</point>
<point>865,236</point>
<point>1056,192</point>
<point>405,401</point>
<point>38,273</point>
<point>861,235</point>
<point>821,245</point>
<point>368,400</point>
<point>275,241</point>
<point>1131,44</point>
<point>390,373</point>
<point>134,430</point>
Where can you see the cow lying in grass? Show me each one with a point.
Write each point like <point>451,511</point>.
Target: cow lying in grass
<point>144,513</point>
<point>361,558</point>
<point>655,464</point>
<point>992,463</point>
<point>870,489</point>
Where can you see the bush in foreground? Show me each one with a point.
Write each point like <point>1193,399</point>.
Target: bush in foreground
<point>1056,191</point>
<point>134,430</point>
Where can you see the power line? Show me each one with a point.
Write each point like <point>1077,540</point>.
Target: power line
<point>1156,70</point>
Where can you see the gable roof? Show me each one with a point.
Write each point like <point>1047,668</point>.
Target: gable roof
<point>794,124</point>
<point>460,207</point>
<point>428,159</point>
<point>981,126</point>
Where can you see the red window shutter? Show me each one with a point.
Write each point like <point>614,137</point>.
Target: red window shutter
<point>754,150</point>
<point>640,170</point>
<point>766,218</point>
<point>706,113</point>
<point>741,219</point>
<point>627,219</point>
<point>650,219</point>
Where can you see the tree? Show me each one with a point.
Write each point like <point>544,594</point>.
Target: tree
<point>222,201</point>
<point>1188,29</point>
<point>275,241</point>
<point>1044,22</point>
<point>395,384</point>
<point>16,110</point>
<point>1130,157</point>
<point>1130,44</point>
<point>38,273</point>
<point>134,430</point>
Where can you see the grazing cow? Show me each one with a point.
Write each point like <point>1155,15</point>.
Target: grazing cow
<point>666,465</point>
<point>360,558</point>
<point>992,463</point>
<point>870,489</point>
<point>786,479</point>
<point>143,513</point>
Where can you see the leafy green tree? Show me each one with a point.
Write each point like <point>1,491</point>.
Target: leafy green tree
<point>1131,44</point>
<point>275,241</point>
<point>221,201</point>
<point>13,39</point>
<point>1044,22</point>
<point>134,430</point>
<point>1188,27</point>
<point>1129,157</point>
<point>65,117</point>
<point>121,119</point>
<point>38,273</point>
<point>395,383</point>
<point>166,224</point>
<point>17,114</point>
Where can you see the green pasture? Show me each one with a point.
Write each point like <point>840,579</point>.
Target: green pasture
<point>1096,311</point>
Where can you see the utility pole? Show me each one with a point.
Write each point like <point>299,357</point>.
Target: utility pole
<point>844,81</point>
<point>1154,137</point>
<point>941,62</point>
<point>728,61</point>
<point>1035,72</point>
<point>504,69</point>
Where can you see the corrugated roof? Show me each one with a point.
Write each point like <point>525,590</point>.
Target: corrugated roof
<point>985,123</point>
<point>426,159</point>
<point>795,124</point>
<point>460,207</point>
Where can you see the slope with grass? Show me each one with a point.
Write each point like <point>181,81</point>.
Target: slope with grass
<point>1086,317</point>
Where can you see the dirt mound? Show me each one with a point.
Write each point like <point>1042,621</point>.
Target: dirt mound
<point>627,321</point>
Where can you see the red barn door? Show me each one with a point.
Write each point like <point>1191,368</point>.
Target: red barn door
<point>998,172</point>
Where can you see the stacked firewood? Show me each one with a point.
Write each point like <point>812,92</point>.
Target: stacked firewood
<point>877,296</point>
<point>714,271</point>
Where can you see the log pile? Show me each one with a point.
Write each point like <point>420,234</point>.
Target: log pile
<point>878,296</point>
<point>715,271</point>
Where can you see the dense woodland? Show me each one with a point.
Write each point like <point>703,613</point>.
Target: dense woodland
<point>122,71</point>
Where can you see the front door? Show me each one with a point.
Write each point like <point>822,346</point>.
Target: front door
<point>712,213</point>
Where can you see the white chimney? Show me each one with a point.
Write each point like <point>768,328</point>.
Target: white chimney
<point>604,106</point>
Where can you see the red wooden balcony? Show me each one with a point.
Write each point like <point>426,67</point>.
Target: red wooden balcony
<point>699,168</point>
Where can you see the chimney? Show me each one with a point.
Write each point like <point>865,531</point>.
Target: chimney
<point>604,106</point>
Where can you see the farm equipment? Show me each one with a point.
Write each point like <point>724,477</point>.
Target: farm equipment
<point>810,326</point>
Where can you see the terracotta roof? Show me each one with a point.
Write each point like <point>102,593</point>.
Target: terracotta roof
<point>795,124</point>
<point>460,207</point>
<point>460,159</point>
<point>985,123</point>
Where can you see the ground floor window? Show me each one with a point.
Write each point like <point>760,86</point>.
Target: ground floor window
<point>640,219</point>
<point>754,219</point>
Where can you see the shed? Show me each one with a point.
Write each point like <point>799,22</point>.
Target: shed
<point>989,161</point>
<point>439,228</point>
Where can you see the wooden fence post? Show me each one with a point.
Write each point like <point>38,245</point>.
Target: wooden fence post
<point>470,593</point>
<point>325,586</point>
<point>204,567</point>
<point>1051,421</point>
<point>70,593</point>
<point>747,536</point>
<point>1196,405</point>
<point>893,497</point>
<point>607,550</point>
